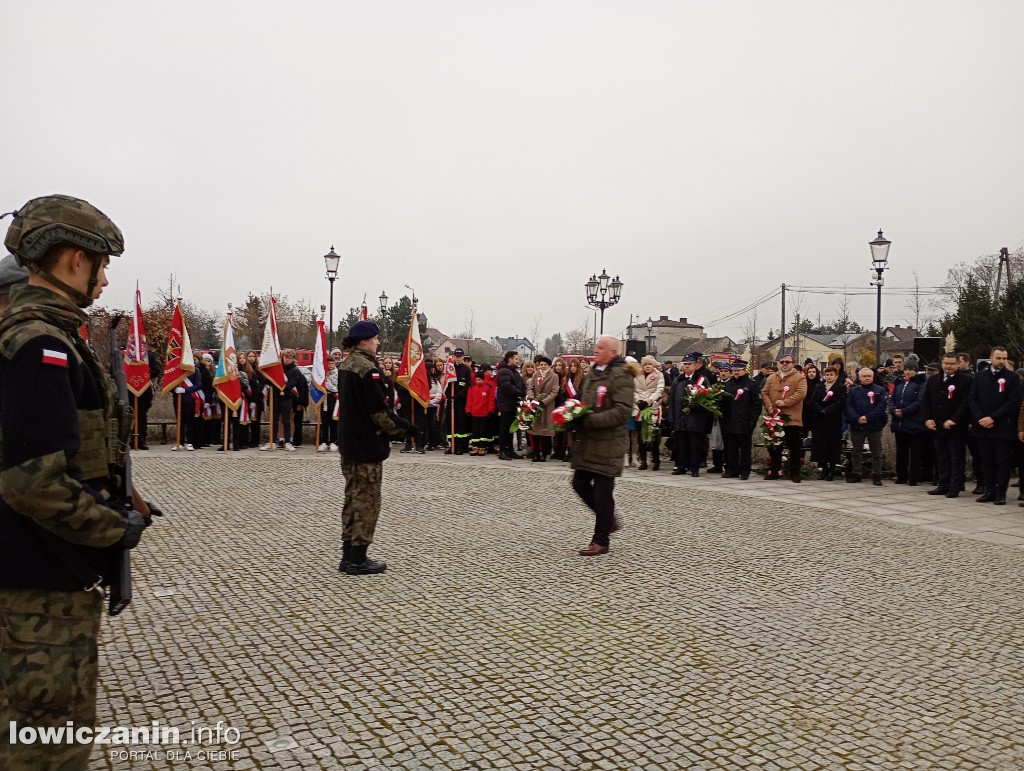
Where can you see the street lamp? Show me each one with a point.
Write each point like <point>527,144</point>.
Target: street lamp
<point>879,262</point>
<point>609,290</point>
<point>650,335</point>
<point>331,260</point>
<point>383,308</point>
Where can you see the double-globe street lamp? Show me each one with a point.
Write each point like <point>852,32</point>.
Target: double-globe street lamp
<point>650,336</point>
<point>331,260</point>
<point>609,290</point>
<point>879,262</point>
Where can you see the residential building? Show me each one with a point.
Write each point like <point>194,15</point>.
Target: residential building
<point>520,345</point>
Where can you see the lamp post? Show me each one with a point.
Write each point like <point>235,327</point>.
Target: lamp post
<point>650,336</point>
<point>331,260</point>
<point>609,290</point>
<point>879,261</point>
<point>383,308</point>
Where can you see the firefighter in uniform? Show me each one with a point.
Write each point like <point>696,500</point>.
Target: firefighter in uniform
<point>366,426</point>
<point>64,436</point>
<point>463,379</point>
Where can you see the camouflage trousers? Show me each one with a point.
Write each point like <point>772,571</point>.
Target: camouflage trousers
<point>362,501</point>
<point>48,670</point>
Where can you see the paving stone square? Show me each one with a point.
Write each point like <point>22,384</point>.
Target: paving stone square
<point>733,625</point>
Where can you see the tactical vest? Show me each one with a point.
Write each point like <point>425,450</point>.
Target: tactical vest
<point>105,432</point>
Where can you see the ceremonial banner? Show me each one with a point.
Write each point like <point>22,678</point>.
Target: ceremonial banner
<point>180,362</point>
<point>270,354</point>
<point>318,386</point>
<point>136,354</point>
<point>225,379</point>
<point>412,373</point>
<point>450,376</point>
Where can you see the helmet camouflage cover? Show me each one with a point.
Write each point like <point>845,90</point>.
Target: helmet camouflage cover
<point>44,222</point>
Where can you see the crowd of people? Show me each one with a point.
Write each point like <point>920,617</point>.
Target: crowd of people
<point>941,414</point>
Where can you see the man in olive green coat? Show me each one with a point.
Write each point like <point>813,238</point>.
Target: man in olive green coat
<point>601,439</point>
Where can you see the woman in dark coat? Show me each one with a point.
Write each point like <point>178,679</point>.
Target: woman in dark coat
<point>813,381</point>
<point>825,405</point>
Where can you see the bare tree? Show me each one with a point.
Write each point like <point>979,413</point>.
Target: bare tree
<point>918,305</point>
<point>750,329</point>
<point>535,331</point>
<point>577,341</point>
<point>469,332</point>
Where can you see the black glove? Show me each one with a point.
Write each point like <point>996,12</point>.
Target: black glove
<point>403,424</point>
<point>133,531</point>
<point>153,510</point>
<point>642,404</point>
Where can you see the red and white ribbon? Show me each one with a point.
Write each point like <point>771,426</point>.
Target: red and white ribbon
<point>1002,384</point>
<point>950,390</point>
<point>871,396</point>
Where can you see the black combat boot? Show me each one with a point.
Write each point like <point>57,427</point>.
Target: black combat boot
<point>361,565</point>
<point>643,457</point>
<point>346,555</point>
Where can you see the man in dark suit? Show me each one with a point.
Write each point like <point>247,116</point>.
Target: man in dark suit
<point>995,405</point>
<point>671,372</point>
<point>946,415</point>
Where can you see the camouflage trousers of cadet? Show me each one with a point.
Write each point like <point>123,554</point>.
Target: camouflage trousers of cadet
<point>48,670</point>
<point>362,501</point>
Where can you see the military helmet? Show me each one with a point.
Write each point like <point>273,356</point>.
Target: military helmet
<point>11,274</point>
<point>44,222</point>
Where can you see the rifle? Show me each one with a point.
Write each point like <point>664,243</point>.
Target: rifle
<point>121,582</point>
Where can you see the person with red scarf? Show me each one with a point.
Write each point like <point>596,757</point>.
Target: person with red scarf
<point>482,409</point>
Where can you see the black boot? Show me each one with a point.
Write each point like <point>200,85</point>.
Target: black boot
<point>361,565</point>
<point>830,472</point>
<point>346,555</point>
<point>643,457</point>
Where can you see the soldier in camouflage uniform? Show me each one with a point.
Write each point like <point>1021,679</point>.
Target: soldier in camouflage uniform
<point>11,274</point>
<point>365,427</point>
<point>64,435</point>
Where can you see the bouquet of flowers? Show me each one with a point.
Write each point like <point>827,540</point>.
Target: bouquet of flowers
<point>772,428</point>
<point>529,411</point>
<point>648,419</point>
<point>706,397</point>
<point>563,417</point>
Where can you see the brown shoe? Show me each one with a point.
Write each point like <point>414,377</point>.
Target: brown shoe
<point>593,550</point>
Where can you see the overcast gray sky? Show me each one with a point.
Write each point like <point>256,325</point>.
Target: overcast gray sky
<point>494,155</point>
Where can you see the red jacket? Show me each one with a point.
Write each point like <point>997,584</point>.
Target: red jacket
<point>481,400</point>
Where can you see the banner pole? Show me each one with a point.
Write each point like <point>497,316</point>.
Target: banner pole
<point>227,418</point>
<point>135,421</point>
<point>270,426</point>
<point>178,421</point>
<point>319,410</point>
<point>412,411</point>
<point>452,408</point>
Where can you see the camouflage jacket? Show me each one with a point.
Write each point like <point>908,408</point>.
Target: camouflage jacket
<point>365,423</point>
<point>62,438</point>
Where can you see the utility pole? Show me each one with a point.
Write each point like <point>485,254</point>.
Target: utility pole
<point>796,342</point>
<point>783,344</point>
<point>1004,259</point>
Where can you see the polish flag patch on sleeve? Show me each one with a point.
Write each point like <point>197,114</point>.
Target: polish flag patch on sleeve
<point>56,358</point>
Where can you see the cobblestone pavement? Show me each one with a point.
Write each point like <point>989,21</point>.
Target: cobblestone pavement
<point>722,631</point>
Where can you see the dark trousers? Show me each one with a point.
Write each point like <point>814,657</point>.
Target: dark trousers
<point>329,434</point>
<point>794,442</point>
<point>950,459</point>
<point>874,439</point>
<point>718,457</point>
<point>239,434</point>
<point>433,428</point>
<point>596,491</point>
<point>144,403</point>
<point>505,420</point>
<point>689,450</point>
<point>297,417</point>
<point>282,428</point>
<point>255,428</point>
<point>645,448</point>
<point>461,424</point>
<point>976,465</point>
<point>996,461</point>
<point>909,457</point>
<point>737,454</point>
<point>417,416</point>
<point>190,424</point>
